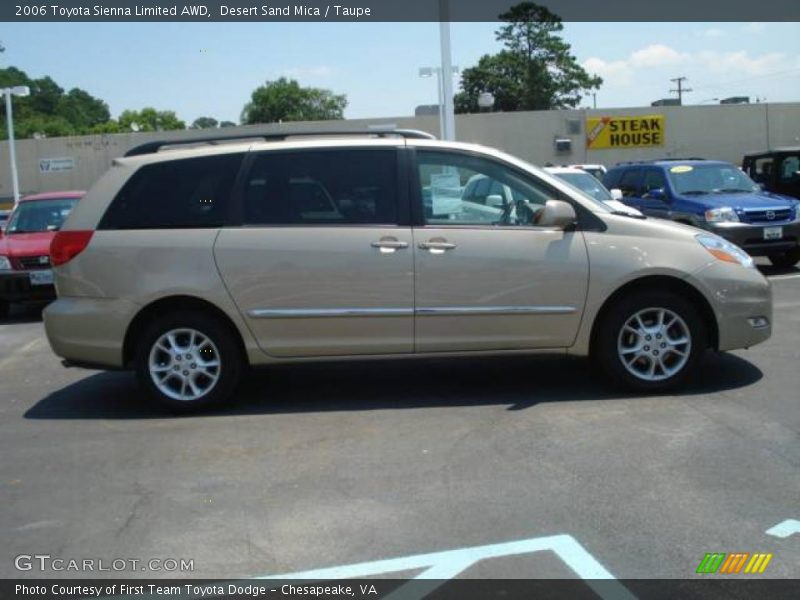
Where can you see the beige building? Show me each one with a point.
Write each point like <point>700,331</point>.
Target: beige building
<point>559,137</point>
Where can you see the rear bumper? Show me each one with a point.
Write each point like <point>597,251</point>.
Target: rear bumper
<point>88,330</point>
<point>751,237</point>
<point>15,286</point>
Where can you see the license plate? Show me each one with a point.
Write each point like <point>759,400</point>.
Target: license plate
<point>41,277</point>
<point>773,233</point>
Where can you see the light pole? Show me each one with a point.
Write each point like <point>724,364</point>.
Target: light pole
<point>20,90</point>
<point>427,72</point>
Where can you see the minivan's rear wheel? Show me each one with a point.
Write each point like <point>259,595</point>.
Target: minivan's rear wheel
<point>188,361</point>
<point>786,259</point>
<point>651,341</point>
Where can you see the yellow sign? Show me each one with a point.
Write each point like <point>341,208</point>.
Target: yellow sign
<point>624,132</point>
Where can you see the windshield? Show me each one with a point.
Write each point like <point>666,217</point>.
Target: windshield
<point>588,184</point>
<point>40,215</point>
<point>710,179</point>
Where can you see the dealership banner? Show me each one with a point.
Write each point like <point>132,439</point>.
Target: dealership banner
<point>644,131</point>
<point>37,11</point>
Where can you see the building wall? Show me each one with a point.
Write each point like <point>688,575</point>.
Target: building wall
<point>716,131</point>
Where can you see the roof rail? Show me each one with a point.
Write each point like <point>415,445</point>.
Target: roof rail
<point>655,160</point>
<point>155,146</point>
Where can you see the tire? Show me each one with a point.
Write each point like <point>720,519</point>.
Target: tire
<point>206,384</point>
<point>617,344</point>
<point>5,309</point>
<point>787,259</point>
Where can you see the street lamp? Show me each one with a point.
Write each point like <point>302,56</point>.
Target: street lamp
<point>428,72</point>
<point>20,90</point>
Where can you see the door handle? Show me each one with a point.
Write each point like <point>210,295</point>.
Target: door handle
<point>389,245</point>
<point>436,247</point>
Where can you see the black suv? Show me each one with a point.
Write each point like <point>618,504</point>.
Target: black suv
<point>776,170</point>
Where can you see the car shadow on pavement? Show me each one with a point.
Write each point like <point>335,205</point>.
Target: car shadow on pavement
<point>518,382</point>
<point>23,314</point>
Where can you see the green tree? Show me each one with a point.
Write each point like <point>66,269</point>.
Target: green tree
<point>535,70</point>
<point>204,123</point>
<point>227,124</point>
<point>82,109</point>
<point>284,100</point>
<point>149,119</point>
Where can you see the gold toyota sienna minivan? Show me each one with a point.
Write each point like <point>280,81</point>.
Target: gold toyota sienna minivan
<point>191,263</point>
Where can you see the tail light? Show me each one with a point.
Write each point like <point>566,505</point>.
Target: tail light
<point>66,245</point>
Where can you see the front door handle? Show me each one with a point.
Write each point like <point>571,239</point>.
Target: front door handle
<point>436,247</point>
<point>389,245</point>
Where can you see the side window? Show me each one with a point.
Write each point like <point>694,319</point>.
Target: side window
<point>175,194</point>
<point>653,180</point>
<point>458,189</point>
<point>789,169</point>
<point>761,169</point>
<point>630,182</point>
<point>322,187</point>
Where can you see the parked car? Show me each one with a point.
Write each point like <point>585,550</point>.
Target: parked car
<point>25,273</point>
<point>715,196</point>
<point>190,264</point>
<point>589,184</point>
<point>777,171</point>
<point>596,170</point>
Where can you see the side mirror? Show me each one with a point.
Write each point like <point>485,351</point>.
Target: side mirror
<point>616,193</point>
<point>656,194</point>
<point>558,214</point>
<point>494,200</point>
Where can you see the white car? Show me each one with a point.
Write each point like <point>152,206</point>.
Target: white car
<point>590,185</point>
<point>596,170</point>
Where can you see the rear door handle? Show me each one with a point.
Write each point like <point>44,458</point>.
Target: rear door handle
<point>436,247</point>
<point>389,245</point>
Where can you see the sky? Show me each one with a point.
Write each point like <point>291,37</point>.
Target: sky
<point>210,69</point>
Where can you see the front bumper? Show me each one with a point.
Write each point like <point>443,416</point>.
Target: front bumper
<point>15,286</point>
<point>750,238</point>
<point>742,303</point>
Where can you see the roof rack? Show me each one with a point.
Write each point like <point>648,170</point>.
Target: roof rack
<point>155,146</point>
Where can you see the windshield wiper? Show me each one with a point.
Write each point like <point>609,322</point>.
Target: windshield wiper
<point>695,192</point>
<point>731,191</point>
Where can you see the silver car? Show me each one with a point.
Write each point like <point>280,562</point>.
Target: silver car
<point>189,264</point>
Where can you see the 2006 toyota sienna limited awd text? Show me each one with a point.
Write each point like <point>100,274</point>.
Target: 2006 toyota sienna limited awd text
<point>188,264</point>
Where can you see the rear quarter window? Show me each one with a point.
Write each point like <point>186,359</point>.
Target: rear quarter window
<point>175,194</point>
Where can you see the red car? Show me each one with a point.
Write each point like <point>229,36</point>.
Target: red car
<point>25,274</point>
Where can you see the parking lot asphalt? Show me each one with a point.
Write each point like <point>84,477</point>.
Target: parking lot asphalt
<point>332,464</point>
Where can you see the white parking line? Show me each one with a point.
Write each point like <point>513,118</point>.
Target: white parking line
<point>448,564</point>
<point>785,528</point>
<point>780,277</point>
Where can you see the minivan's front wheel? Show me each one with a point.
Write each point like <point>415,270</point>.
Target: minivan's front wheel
<point>650,341</point>
<point>188,361</point>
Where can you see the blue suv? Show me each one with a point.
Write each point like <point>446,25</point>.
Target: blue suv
<point>716,196</point>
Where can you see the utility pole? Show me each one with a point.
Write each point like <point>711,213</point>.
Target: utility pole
<point>681,90</point>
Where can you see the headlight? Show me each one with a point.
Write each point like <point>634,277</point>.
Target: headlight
<point>724,214</point>
<point>5,264</point>
<point>724,250</point>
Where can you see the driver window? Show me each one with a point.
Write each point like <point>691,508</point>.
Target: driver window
<point>458,189</point>
<point>654,180</point>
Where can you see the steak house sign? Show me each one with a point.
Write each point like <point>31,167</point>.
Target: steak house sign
<point>624,132</point>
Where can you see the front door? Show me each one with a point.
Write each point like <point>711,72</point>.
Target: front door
<point>320,265</point>
<point>488,278</point>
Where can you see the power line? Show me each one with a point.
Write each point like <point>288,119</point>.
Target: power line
<point>681,90</point>
<point>746,79</point>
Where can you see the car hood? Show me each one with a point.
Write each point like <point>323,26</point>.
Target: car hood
<point>26,244</point>
<point>745,200</point>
